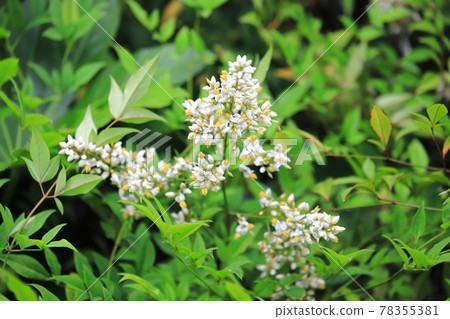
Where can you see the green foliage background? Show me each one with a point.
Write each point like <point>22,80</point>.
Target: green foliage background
<point>390,189</point>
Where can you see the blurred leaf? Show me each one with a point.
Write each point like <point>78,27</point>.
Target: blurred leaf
<point>237,292</point>
<point>296,292</point>
<point>52,233</point>
<point>420,259</point>
<point>149,22</point>
<point>436,112</point>
<point>183,230</point>
<point>16,15</point>
<point>140,115</point>
<point>85,73</point>
<point>418,155</point>
<point>80,184</point>
<point>430,81</point>
<point>27,267</point>
<point>52,169</point>
<point>35,119</point>
<point>20,290</point>
<point>182,39</point>
<point>33,224</point>
<point>434,252</point>
<point>115,99</point>
<point>401,253</point>
<point>63,243</point>
<point>60,181</point>
<point>369,169</point>
<point>138,84</point>
<point>146,286</point>
<point>263,66</point>
<point>423,126</point>
<point>8,69</point>
<point>112,135</point>
<point>446,147</point>
<point>86,127</point>
<point>39,153</point>
<point>418,223</point>
<point>45,294</point>
<point>381,125</point>
<point>52,261</point>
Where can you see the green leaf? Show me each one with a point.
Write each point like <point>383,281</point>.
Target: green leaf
<point>72,281</point>
<point>183,230</point>
<point>423,126</point>
<point>381,125</point>
<point>16,15</point>
<point>45,293</point>
<point>369,169</point>
<point>60,205</point>
<point>80,184</point>
<point>31,168</point>
<point>84,73</point>
<point>182,39</point>
<point>39,153</point>
<point>8,69</point>
<point>146,286</point>
<point>60,181</point>
<point>52,233</point>
<point>138,83</point>
<point>27,267</point>
<point>21,291</point>
<point>166,30</point>
<point>420,259</point>
<point>34,119</point>
<point>433,253</point>
<point>336,260</point>
<point>436,112</point>
<point>401,253</point>
<point>446,147</point>
<point>52,169</point>
<point>90,280</point>
<point>418,223</point>
<point>149,23</point>
<point>7,219</point>
<point>429,81</point>
<point>86,127</point>
<point>112,135</point>
<point>151,213</point>
<point>3,181</point>
<point>296,292</point>
<point>237,292</point>
<point>418,155</point>
<point>52,261</point>
<point>263,66</point>
<point>115,99</point>
<point>197,42</point>
<point>139,116</point>
<point>63,243</point>
<point>33,224</point>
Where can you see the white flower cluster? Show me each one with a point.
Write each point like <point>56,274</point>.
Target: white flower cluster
<point>295,227</point>
<point>232,111</point>
<point>131,172</point>
<point>242,227</point>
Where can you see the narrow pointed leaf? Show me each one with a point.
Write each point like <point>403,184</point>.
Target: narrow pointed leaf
<point>381,125</point>
<point>80,184</point>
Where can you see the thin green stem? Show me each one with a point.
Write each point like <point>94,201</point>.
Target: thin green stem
<point>385,158</point>
<point>120,236</point>
<point>44,197</point>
